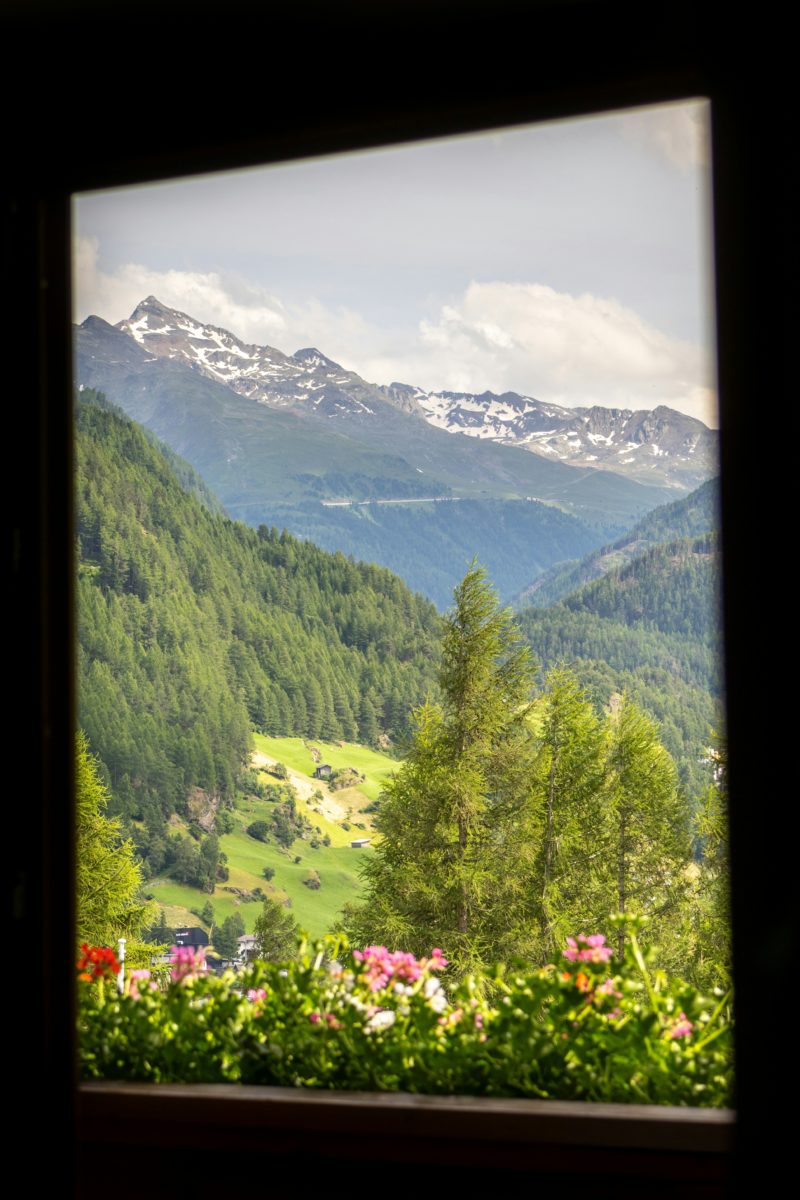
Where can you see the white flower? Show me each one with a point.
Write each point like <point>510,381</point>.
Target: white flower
<point>432,985</point>
<point>380,1020</point>
<point>402,990</point>
<point>438,1002</point>
<point>403,1010</point>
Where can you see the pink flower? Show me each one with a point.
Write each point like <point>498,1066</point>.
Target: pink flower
<point>383,966</point>
<point>588,949</point>
<point>255,995</point>
<point>313,1017</point>
<point>188,963</point>
<point>608,989</point>
<point>682,1027</point>
<point>136,977</point>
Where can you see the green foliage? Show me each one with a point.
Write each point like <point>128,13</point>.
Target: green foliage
<point>345,778</point>
<point>325,1017</point>
<point>651,629</point>
<point>672,588</point>
<point>689,517</point>
<point>226,937</point>
<point>259,830</point>
<point>570,812</point>
<point>276,933</point>
<point>428,544</point>
<point>710,931</point>
<point>224,821</point>
<point>647,838</point>
<point>509,824</point>
<point>109,905</point>
<point>160,933</point>
<point>198,864</point>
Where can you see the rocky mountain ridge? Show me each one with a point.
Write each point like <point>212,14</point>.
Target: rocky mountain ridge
<point>659,446</point>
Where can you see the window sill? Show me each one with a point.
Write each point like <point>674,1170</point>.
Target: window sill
<point>637,1143</point>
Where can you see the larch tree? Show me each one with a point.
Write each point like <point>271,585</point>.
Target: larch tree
<point>711,912</point>
<point>648,829</point>
<point>454,863</point>
<point>276,932</point>
<point>109,906</point>
<point>570,801</point>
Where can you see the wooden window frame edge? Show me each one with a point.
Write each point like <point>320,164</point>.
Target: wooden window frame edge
<point>456,1130</point>
<point>597,76</point>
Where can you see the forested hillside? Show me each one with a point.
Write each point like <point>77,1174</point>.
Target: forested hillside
<point>430,544</point>
<point>194,629</point>
<point>695,514</point>
<point>650,628</point>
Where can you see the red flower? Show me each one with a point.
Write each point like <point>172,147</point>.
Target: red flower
<point>97,962</point>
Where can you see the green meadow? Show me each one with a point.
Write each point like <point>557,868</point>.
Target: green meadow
<point>296,753</point>
<point>330,813</point>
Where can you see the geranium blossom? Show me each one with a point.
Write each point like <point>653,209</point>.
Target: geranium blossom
<point>187,963</point>
<point>682,1027</point>
<point>97,962</point>
<point>588,949</point>
<point>137,977</point>
<point>380,1020</point>
<point>382,966</point>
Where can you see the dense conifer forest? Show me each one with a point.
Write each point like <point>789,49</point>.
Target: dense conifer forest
<point>650,628</point>
<point>194,629</point>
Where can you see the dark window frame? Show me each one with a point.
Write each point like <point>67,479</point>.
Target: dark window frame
<point>580,60</point>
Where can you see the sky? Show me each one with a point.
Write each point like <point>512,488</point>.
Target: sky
<point>570,261</point>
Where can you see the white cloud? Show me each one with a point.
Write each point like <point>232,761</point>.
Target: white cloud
<point>246,309</point>
<point>570,350</point>
<point>249,312</point>
<point>522,337</point>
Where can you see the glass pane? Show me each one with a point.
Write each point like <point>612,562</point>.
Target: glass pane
<point>398,592</point>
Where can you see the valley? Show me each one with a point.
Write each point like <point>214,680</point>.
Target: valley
<point>251,694</point>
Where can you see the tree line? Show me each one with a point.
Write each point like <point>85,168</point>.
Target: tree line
<point>516,821</point>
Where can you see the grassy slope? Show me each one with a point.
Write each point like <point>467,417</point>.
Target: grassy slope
<point>337,864</point>
<point>295,753</point>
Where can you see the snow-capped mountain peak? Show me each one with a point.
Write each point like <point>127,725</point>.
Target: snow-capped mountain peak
<point>262,373</point>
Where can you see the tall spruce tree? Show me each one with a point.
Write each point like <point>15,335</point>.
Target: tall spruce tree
<point>455,859</point>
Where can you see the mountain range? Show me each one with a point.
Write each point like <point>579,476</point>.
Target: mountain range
<point>298,442</point>
<point>655,446</point>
